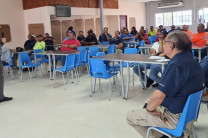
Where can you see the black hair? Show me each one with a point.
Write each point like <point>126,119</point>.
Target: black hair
<point>70,28</point>
<point>39,36</point>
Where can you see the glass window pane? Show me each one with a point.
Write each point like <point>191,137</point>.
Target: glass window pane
<point>159,19</point>
<point>168,19</point>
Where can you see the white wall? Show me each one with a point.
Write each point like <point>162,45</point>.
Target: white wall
<point>12,13</point>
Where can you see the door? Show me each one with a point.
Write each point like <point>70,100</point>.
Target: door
<point>123,22</point>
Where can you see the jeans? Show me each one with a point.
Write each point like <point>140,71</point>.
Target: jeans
<point>204,66</point>
<point>154,70</point>
<point>4,63</point>
<point>62,58</point>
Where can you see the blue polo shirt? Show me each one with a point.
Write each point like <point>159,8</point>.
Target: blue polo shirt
<point>123,35</point>
<point>181,77</point>
<point>102,37</point>
<point>116,41</point>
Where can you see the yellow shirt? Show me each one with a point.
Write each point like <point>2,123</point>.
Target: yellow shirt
<point>152,32</point>
<point>39,45</point>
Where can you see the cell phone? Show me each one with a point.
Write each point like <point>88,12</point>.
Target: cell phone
<point>2,35</point>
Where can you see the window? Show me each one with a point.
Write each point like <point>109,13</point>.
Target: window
<point>159,19</point>
<point>175,18</point>
<point>168,19</point>
<point>182,18</point>
<point>203,15</point>
<point>6,30</point>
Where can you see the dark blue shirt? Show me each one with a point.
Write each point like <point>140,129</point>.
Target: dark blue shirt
<point>123,35</point>
<point>116,41</point>
<point>204,66</point>
<point>102,37</point>
<point>181,77</point>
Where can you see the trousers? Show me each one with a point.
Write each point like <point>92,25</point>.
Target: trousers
<point>1,81</point>
<point>140,119</point>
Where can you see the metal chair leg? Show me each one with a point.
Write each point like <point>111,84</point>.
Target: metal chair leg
<point>29,73</point>
<point>40,72</point>
<point>64,80</point>
<point>91,87</point>
<point>54,78</point>
<point>194,133</point>
<point>94,85</point>
<point>110,90</point>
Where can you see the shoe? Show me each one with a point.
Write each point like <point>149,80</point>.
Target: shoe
<point>149,82</point>
<point>155,85</point>
<point>164,136</point>
<point>6,99</point>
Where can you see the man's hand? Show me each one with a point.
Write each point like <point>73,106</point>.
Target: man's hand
<point>3,40</point>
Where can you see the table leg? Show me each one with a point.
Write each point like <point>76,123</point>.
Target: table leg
<point>145,77</point>
<point>142,82</point>
<point>128,79</point>
<point>122,79</point>
<point>54,63</point>
<point>199,53</point>
<point>49,58</point>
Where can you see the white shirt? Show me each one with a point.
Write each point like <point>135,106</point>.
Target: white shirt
<point>156,46</point>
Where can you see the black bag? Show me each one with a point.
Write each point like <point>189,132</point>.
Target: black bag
<point>19,49</point>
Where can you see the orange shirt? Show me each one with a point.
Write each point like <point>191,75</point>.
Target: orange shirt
<point>199,38</point>
<point>189,33</point>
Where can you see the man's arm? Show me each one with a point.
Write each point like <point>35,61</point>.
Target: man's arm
<point>207,43</point>
<point>155,100</point>
<point>119,46</point>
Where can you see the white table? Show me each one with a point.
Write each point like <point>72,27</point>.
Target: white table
<point>199,48</point>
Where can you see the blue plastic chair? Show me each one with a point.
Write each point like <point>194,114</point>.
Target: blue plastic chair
<point>82,60</point>
<point>150,40</point>
<point>10,65</point>
<point>153,38</point>
<point>40,58</point>
<point>26,63</point>
<point>108,67</point>
<point>69,66</point>
<point>111,49</point>
<point>105,43</point>
<point>98,70</point>
<point>190,113</point>
<point>93,51</point>
<point>81,48</point>
<point>141,44</point>
<point>193,53</point>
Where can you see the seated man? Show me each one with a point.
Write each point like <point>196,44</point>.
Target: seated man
<point>117,41</point>
<point>152,31</point>
<point>201,37</point>
<point>172,29</point>
<point>187,31</point>
<point>105,37</point>
<point>159,30</point>
<point>49,41</point>
<point>5,55</point>
<point>142,36</point>
<point>156,50</point>
<point>90,39</point>
<point>125,37</point>
<point>40,44</point>
<point>81,38</point>
<point>180,79</point>
<point>30,43</point>
<point>71,44</point>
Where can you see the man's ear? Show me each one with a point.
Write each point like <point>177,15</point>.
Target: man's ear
<point>172,46</point>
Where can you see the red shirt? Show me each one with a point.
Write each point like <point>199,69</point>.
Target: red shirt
<point>70,42</point>
<point>145,38</point>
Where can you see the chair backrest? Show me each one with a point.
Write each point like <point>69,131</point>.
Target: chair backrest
<point>105,43</point>
<point>141,43</point>
<point>130,51</point>
<point>38,55</point>
<point>150,40</point>
<point>81,48</point>
<point>112,49</point>
<point>93,51</point>
<point>153,38</point>
<point>100,54</point>
<point>10,62</point>
<point>190,112</point>
<point>24,58</point>
<point>70,61</point>
<point>81,57</point>
<point>97,68</point>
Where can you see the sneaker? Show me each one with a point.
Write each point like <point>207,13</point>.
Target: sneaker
<point>149,82</point>
<point>155,85</point>
<point>6,99</point>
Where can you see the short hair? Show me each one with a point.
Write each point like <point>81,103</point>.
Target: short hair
<point>202,25</point>
<point>46,33</point>
<point>160,26</point>
<point>106,28</point>
<point>117,32</point>
<point>180,40</point>
<point>70,28</point>
<point>38,36</point>
<point>126,29</point>
<point>80,31</point>
<point>151,26</point>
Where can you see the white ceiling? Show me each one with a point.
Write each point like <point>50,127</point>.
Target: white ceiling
<point>139,0</point>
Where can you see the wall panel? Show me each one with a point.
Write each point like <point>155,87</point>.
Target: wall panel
<point>56,30</point>
<point>65,25</point>
<point>78,25</point>
<point>89,24</point>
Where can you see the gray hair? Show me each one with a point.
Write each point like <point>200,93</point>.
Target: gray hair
<point>180,40</point>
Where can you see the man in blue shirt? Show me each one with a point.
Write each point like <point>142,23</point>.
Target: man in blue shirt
<point>181,77</point>
<point>126,37</point>
<point>117,41</point>
<point>172,29</point>
<point>105,37</point>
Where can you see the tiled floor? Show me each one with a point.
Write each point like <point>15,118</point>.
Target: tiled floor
<point>41,111</point>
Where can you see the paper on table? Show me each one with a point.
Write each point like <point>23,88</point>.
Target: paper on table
<point>155,57</point>
<point>163,60</point>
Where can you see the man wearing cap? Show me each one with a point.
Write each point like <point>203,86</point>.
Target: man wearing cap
<point>91,38</point>
<point>105,37</point>
<point>40,44</point>
<point>172,29</point>
<point>49,41</point>
<point>70,44</point>
<point>159,30</point>
<point>30,43</point>
<point>187,31</point>
<point>2,97</point>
